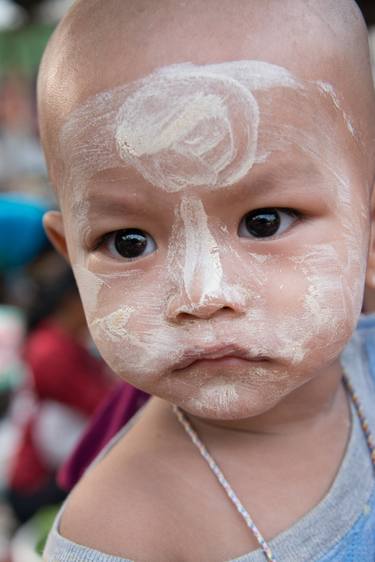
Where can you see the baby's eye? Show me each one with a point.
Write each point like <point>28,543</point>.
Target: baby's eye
<point>130,243</point>
<point>264,223</point>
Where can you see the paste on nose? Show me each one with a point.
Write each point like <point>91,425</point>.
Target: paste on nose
<point>203,272</point>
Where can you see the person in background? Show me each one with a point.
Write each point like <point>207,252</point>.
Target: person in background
<point>22,239</point>
<point>65,384</point>
<point>45,350</point>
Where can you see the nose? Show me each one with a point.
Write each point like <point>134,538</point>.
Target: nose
<point>201,289</point>
<point>230,300</point>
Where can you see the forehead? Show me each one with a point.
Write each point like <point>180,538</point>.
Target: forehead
<point>190,126</point>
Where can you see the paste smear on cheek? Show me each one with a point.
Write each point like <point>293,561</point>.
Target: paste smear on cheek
<point>304,330</point>
<point>90,286</point>
<point>114,325</point>
<point>135,341</point>
<point>326,308</point>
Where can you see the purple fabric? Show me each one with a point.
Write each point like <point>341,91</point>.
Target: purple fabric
<point>121,404</point>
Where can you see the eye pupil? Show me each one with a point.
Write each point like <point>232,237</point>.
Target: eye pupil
<point>263,222</point>
<point>130,243</point>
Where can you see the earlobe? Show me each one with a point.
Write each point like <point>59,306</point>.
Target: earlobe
<point>54,227</point>
<point>370,274</point>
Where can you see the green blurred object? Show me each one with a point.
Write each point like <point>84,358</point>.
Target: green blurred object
<point>21,49</point>
<point>12,333</point>
<point>42,523</point>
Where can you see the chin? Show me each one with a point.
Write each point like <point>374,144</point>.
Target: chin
<point>227,405</point>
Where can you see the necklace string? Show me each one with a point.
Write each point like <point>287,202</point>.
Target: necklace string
<point>229,490</point>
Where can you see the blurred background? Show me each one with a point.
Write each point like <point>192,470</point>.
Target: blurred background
<point>51,379</point>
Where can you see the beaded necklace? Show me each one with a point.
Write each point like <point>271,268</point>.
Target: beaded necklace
<point>227,487</point>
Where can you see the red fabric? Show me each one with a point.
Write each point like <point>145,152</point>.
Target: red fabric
<point>115,411</point>
<point>61,370</point>
<point>28,471</point>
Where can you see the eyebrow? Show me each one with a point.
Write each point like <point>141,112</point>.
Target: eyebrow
<point>290,170</point>
<point>102,204</point>
<point>272,177</point>
<point>278,176</point>
<point>100,198</point>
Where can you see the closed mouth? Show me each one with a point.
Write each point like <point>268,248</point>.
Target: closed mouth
<point>191,357</point>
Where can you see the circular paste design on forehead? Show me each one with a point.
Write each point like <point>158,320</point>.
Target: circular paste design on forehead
<point>187,125</point>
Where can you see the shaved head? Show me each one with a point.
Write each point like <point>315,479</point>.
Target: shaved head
<point>104,43</point>
<point>168,127</point>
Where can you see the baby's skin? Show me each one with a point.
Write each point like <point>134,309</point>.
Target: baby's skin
<point>214,170</point>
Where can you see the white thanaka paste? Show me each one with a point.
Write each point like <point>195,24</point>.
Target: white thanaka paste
<point>196,145</point>
<point>180,127</point>
<point>202,260</point>
<point>151,343</point>
<point>253,74</point>
<point>90,286</point>
<point>195,265</point>
<point>327,274</point>
<point>219,396</point>
<point>328,89</point>
<point>287,339</point>
<point>151,340</point>
<point>177,128</point>
<point>114,325</point>
<point>323,271</point>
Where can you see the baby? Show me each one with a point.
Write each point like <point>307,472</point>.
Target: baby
<point>214,163</point>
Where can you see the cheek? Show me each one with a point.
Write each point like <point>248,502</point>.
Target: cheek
<point>301,308</point>
<point>300,311</point>
<point>316,301</point>
<point>303,317</point>
<point>127,322</point>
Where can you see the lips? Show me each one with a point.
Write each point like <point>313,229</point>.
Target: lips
<point>190,357</point>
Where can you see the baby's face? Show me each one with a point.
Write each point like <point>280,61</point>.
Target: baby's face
<point>216,219</point>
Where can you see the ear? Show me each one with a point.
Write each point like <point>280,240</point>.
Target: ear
<point>370,274</point>
<point>369,296</point>
<point>54,227</point>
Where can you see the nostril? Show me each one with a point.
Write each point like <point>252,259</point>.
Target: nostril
<point>180,308</point>
<point>184,316</point>
<point>203,311</point>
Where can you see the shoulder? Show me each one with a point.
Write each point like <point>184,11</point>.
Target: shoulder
<point>123,507</point>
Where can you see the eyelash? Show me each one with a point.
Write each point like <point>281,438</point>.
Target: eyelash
<point>292,213</point>
<point>110,237</point>
<point>267,212</point>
